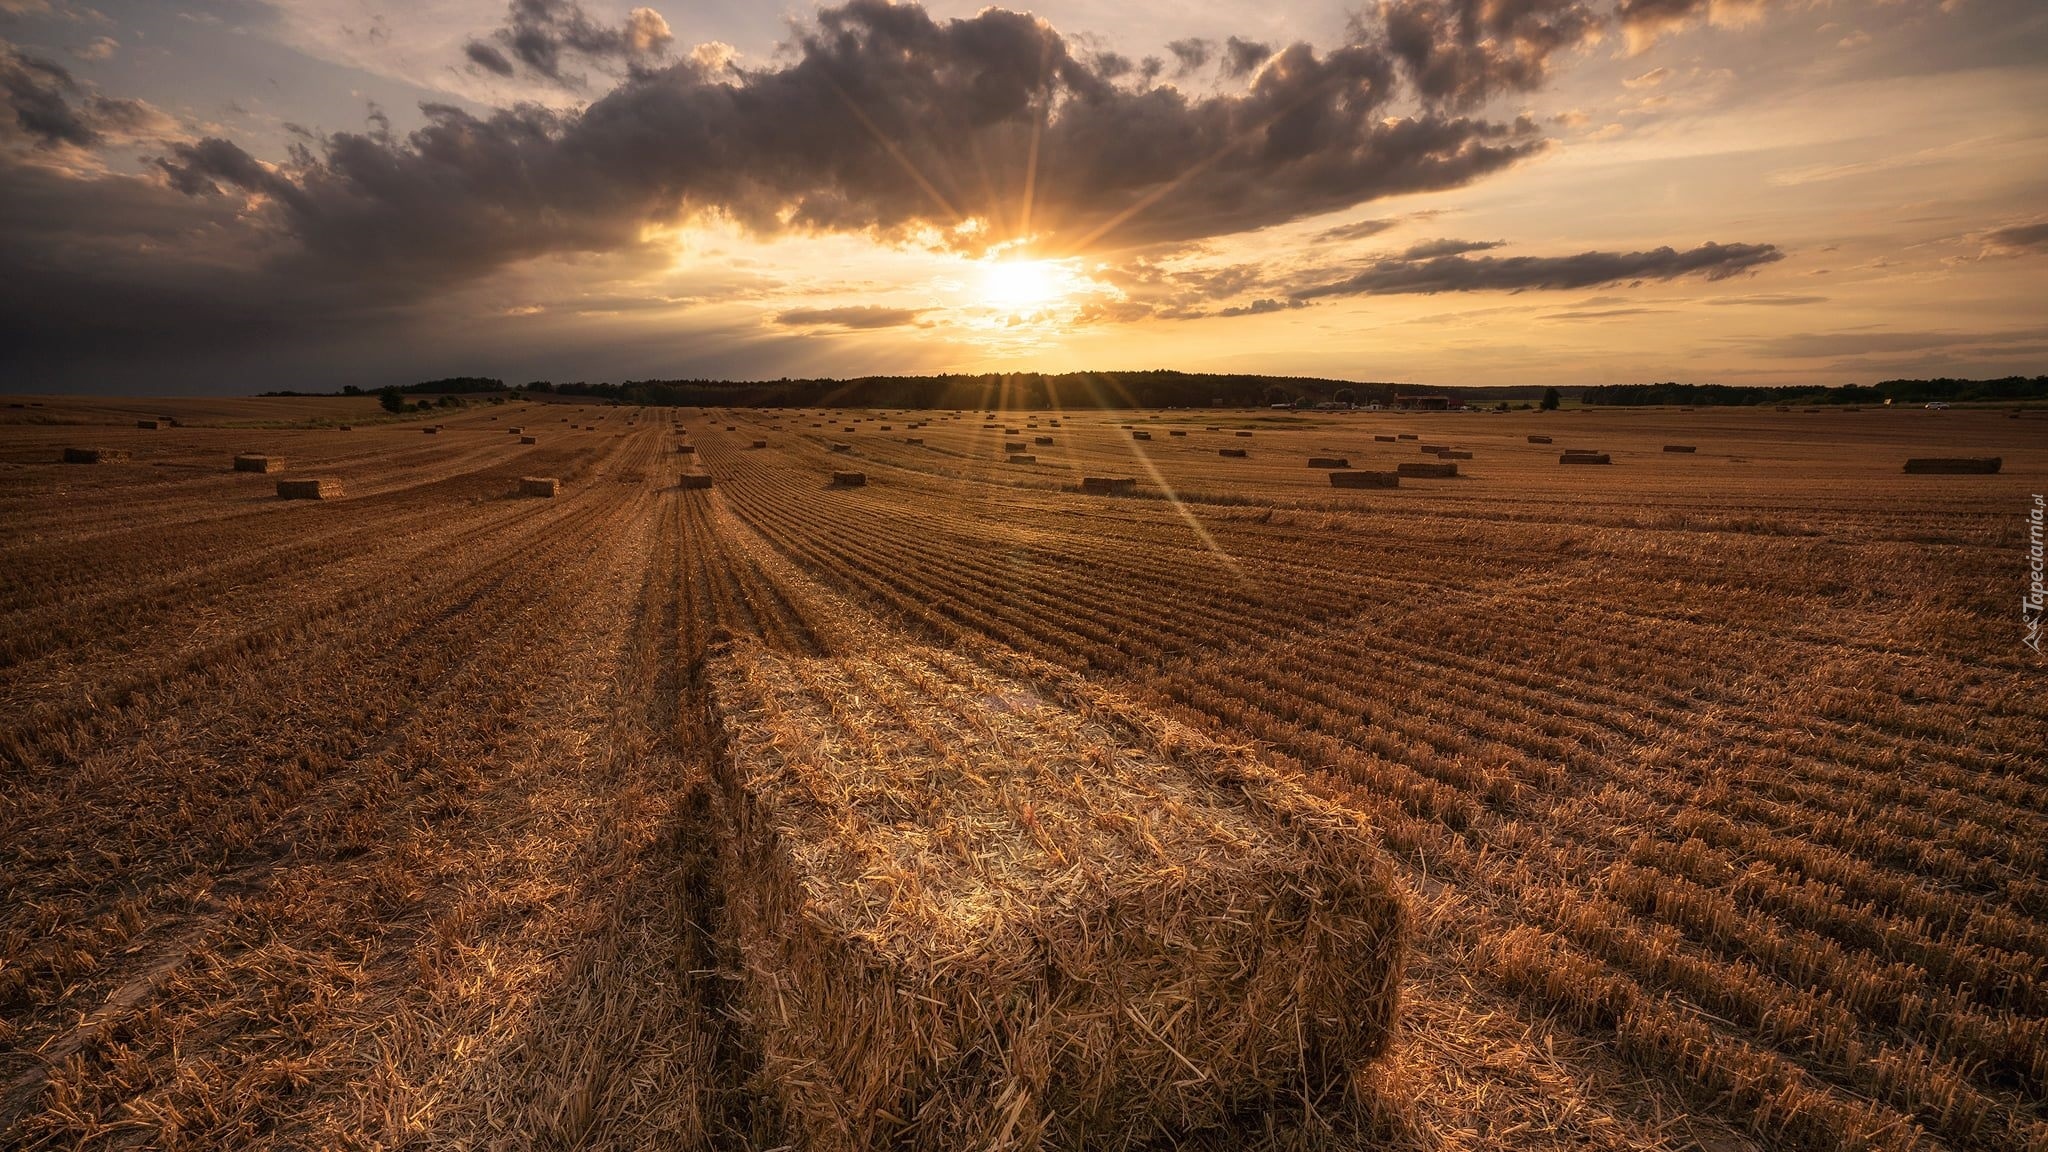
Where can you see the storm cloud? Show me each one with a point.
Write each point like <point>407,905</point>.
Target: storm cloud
<point>539,34</point>
<point>51,108</point>
<point>887,122</point>
<point>1407,275</point>
<point>858,316</point>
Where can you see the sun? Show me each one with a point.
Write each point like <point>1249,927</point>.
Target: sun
<point>1021,285</point>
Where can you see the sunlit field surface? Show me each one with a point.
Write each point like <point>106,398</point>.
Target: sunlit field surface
<point>1712,782</point>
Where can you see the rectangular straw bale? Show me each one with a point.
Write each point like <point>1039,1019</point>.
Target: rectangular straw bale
<point>760,443</point>
<point>1584,458</point>
<point>842,447</point>
<point>149,425</point>
<point>1432,471</point>
<point>1023,458</point>
<point>94,455</point>
<point>1385,439</point>
<point>529,439</point>
<point>315,488</point>
<point>1042,441</point>
<point>1365,479</point>
<point>913,440</point>
<point>1237,452</point>
<point>1433,449</point>
<point>1408,436</point>
<point>849,479</point>
<point>250,462</point>
<point>1176,431</point>
<point>1109,485</point>
<point>347,428</point>
<point>1244,434</point>
<point>686,449</point>
<point>694,480</point>
<point>1097,930</point>
<point>1955,465</point>
<point>1539,439</point>
<point>1328,462</point>
<point>1014,446</point>
<point>539,485</point>
<point>1681,448</point>
<point>1141,435</point>
<point>1454,454</point>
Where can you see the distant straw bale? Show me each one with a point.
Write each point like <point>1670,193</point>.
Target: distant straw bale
<point>1955,465</point>
<point>1681,448</point>
<point>94,455</point>
<point>1109,485</point>
<point>250,462</point>
<point>1539,439</point>
<point>1328,462</point>
<point>1023,458</point>
<point>316,488</point>
<point>1365,479</point>
<point>1427,471</point>
<point>539,486</point>
<point>1584,458</point>
<point>694,480</point>
<point>849,479</point>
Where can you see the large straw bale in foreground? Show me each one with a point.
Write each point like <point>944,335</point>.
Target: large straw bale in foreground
<point>1074,930</point>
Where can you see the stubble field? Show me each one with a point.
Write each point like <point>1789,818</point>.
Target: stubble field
<point>1712,782</point>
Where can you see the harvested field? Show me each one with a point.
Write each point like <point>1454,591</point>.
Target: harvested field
<point>1710,785</point>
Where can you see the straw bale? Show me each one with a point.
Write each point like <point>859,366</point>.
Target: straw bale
<point>1386,439</point>
<point>1955,465</point>
<point>317,488</point>
<point>1433,471</point>
<point>149,425</point>
<point>694,480</point>
<point>1408,436</point>
<point>1083,927</point>
<point>1539,439</point>
<point>1328,462</point>
<point>1109,485</point>
<point>1584,458</point>
<point>1433,449</point>
<point>94,455</point>
<point>1237,452</point>
<point>1141,435</point>
<point>760,443</point>
<point>1454,454</point>
<point>529,439</point>
<point>842,447</point>
<point>1023,458</point>
<point>686,449</point>
<point>250,462</point>
<point>1365,479</point>
<point>1244,434</point>
<point>539,485</point>
<point>1014,446</point>
<point>1681,448</point>
<point>913,440</point>
<point>1042,441</point>
<point>849,479</point>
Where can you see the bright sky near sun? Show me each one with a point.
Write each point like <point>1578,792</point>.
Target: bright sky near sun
<point>226,195</point>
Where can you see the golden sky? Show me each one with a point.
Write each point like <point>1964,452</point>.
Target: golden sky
<point>229,195</point>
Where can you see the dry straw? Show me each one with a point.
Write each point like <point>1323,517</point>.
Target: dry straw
<point>1584,458</point>
<point>1408,436</point>
<point>1014,446</point>
<point>1042,441</point>
<point>694,480</point>
<point>1141,435</point>
<point>94,455</point>
<point>1109,485</point>
<point>1681,448</point>
<point>1328,462</point>
<point>529,439</point>
<point>1386,439</point>
<point>849,479</point>
<point>1078,927</point>
<point>1955,465</point>
<point>1240,453</point>
<point>250,462</point>
<point>1023,458</point>
<point>1365,479</point>
<point>1539,439</point>
<point>319,488</point>
<point>539,485</point>
<point>149,425</point>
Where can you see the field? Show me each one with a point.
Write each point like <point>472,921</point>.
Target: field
<point>1712,782</point>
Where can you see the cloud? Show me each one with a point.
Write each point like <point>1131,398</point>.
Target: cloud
<point>1402,275</point>
<point>1460,53</point>
<point>859,316</point>
<point>1650,79</point>
<point>1243,57</point>
<point>1356,230</point>
<point>539,34</point>
<point>1431,249</point>
<point>102,48</point>
<point>54,109</point>
<point>886,122</point>
<point>1768,299</point>
<point>1191,53</point>
<point>1261,306</point>
<point>1815,345</point>
<point>2018,239</point>
<point>1603,313</point>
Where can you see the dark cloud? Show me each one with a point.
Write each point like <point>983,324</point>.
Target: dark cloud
<point>855,316</point>
<point>1769,300</point>
<point>51,108</point>
<point>1603,313</point>
<point>2019,238</point>
<point>1356,230</point>
<point>886,121</point>
<point>1260,307</point>
<point>1192,53</point>
<point>540,33</point>
<point>1243,57</point>
<point>1813,345</point>
<point>1461,52</point>
<point>1431,249</point>
<point>1521,273</point>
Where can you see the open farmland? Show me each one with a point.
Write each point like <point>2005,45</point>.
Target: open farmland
<point>1711,782</point>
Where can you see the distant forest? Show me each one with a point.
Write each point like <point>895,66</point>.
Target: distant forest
<point>1899,391</point>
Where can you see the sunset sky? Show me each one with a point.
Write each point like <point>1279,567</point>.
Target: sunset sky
<point>232,195</point>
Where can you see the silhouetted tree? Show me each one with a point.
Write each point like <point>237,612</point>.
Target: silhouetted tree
<point>1551,399</point>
